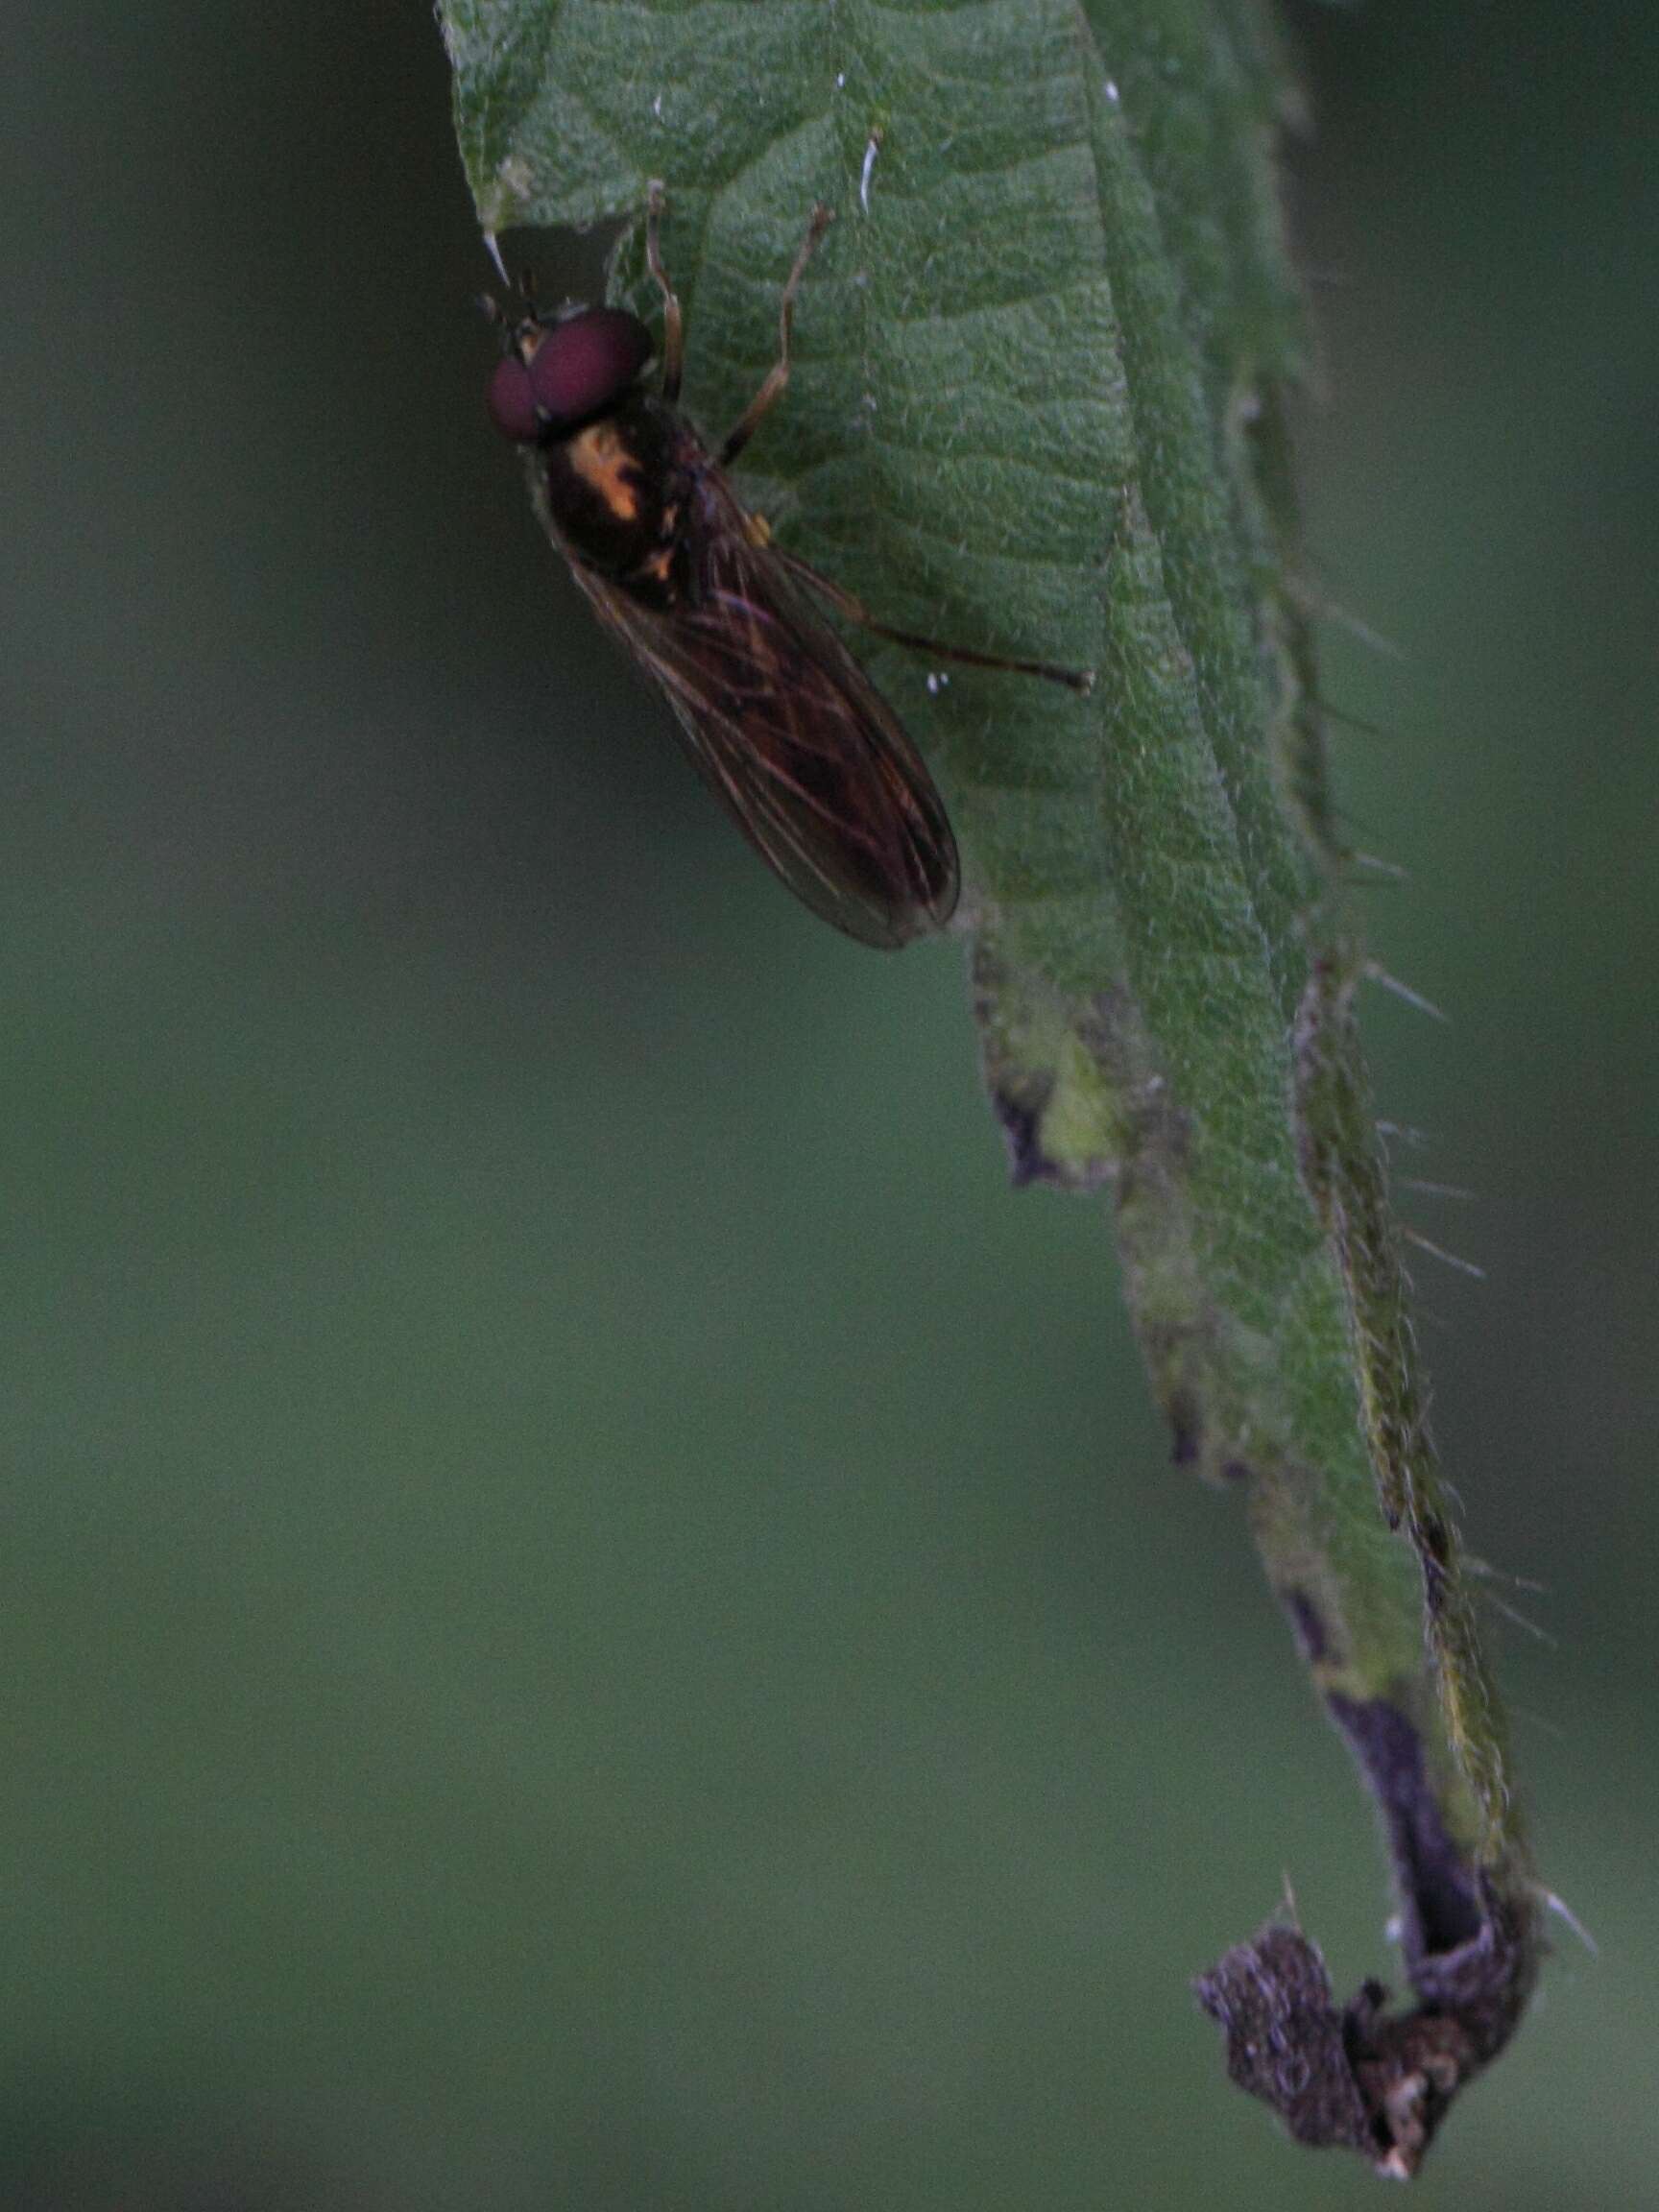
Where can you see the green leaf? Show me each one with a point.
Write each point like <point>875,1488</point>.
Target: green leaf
<point>1037,410</point>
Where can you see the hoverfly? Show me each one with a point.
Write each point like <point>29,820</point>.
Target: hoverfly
<point>783,722</point>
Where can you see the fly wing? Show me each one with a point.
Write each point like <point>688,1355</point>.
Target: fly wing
<point>783,722</point>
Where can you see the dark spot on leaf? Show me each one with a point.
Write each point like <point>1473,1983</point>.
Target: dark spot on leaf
<point>1434,1544</point>
<point>1485,1982</point>
<point>1021,1112</point>
<point>1438,1889</point>
<point>1022,1131</point>
<point>1309,1625</point>
<point>1188,1431</point>
<point>1237,1471</point>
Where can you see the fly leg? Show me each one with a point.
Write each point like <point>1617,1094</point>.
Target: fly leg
<point>673,330</point>
<point>772,391</point>
<point>853,609</point>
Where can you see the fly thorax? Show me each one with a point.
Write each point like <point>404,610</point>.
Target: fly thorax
<point>616,495</point>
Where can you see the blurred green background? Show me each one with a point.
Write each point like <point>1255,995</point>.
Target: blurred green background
<point>594,1612</point>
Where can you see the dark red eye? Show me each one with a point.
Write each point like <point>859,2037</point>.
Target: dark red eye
<point>559,375</point>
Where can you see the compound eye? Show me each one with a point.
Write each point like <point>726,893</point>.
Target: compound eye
<point>559,375</point>
<point>511,400</point>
